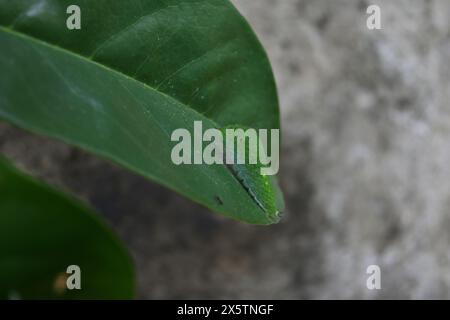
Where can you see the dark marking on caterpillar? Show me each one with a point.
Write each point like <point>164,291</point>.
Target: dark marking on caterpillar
<point>236,171</point>
<point>219,200</point>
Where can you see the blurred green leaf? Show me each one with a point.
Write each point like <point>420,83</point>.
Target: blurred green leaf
<point>42,232</point>
<point>136,71</point>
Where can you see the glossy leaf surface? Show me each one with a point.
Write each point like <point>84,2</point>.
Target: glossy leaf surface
<point>136,71</point>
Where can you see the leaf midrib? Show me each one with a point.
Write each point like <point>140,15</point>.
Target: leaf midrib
<point>98,64</point>
<point>145,85</point>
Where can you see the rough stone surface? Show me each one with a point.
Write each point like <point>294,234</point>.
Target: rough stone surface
<point>365,168</point>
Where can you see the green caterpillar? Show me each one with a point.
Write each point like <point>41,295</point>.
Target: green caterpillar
<point>263,189</point>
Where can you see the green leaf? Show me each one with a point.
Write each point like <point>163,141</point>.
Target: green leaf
<point>42,232</point>
<point>133,73</point>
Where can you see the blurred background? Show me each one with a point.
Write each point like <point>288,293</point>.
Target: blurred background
<point>365,167</point>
